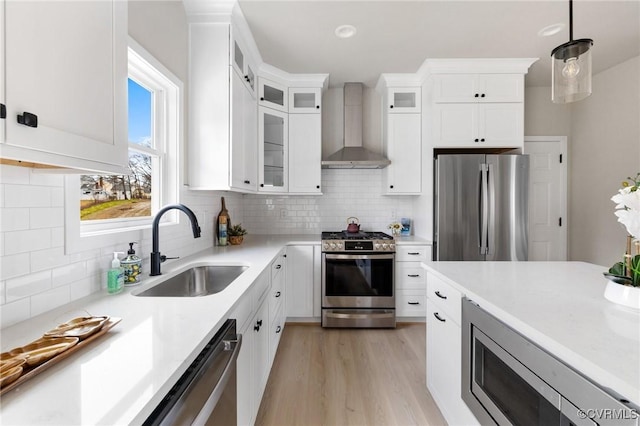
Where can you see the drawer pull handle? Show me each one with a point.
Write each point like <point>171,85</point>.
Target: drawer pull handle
<point>440,295</point>
<point>414,253</point>
<point>278,329</point>
<point>278,266</point>
<point>413,303</point>
<point>28,119</point>
<point>413,275</point>
<point>278,294</point>
<point>435,314</point>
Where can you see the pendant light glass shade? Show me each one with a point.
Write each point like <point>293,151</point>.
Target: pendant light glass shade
<point>571,71</point>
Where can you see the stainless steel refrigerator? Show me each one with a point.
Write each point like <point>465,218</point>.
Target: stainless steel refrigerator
<point>481,207</point>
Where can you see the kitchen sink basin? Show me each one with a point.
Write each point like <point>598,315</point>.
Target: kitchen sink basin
<point>195,282</point>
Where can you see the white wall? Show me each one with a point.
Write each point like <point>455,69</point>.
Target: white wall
<point>604,150</point>
<point>544,118</point>
<point>35,273</point>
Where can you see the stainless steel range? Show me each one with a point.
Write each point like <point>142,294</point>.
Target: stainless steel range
<point>358,288</point>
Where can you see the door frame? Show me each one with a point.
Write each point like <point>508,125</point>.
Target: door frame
<point>562,140</point>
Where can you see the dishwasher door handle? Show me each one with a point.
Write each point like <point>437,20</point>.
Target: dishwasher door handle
<point>214,397</point>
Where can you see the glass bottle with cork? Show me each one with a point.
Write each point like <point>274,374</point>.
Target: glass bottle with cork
<point>222,223</point>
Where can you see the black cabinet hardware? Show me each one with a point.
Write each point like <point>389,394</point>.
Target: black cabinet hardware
<point>482,140</point>
<point>317,106</point>
<point>278,294</point>
<point>28,119</point>
<point>278,266</point>
<point>262,185</point>
<point>413,303</point>
<point>391,186</point>
<point>278,329</point>
<point>476,140</point>
<point>262,99</point>
<point>413,275</point>
<point>482,96</point>
<point>476,95</point>
<point>414,253</point>
<point>247,182</point>
<point>390,106</point>
<point>440,295</point>
<point>317,186</point>
<point>435,314</point>
<point>3,111</point>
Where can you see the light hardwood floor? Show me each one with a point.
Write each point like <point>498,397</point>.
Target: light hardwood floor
<point>349,377</point>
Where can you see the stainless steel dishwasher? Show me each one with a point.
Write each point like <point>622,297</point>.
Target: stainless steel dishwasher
<point>206,393</point>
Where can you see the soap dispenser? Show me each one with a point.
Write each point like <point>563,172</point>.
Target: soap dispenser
<point>132,266</point>
<point>115,275</point>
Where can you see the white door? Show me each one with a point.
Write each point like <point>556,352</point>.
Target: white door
<point>547,197</point>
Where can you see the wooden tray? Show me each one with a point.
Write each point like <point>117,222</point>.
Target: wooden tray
<point>28,373</point>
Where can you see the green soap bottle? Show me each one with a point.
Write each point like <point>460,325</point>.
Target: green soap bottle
<point>115,275</point>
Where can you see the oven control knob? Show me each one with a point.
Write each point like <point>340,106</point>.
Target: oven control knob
<point>377,246</point>
<point>385,246</point>
<point>333,245</point>
<point>340,246</point>
<point>392,246</point>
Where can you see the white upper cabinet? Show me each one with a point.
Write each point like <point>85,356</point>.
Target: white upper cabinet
<point>305,153</point>
<point>273,95</point>
<point>478,88</point>
<point>273,154</point>
<point>304,100</point>
<point>405,99</point>
<point>403,146</point>
<point>244,137</point>
<point>66,84</point>
<point>242,62</point>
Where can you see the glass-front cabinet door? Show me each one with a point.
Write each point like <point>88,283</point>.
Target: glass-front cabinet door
<point>273,158</point>
<point>304,100</point>
<point>273,95</point>
<point>404,99</point>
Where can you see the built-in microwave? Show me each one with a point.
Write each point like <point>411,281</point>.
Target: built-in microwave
<point>509,380</point>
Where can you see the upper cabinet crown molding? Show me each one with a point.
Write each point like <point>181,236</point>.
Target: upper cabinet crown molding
<point>293,80</point>
<point>476,65</point>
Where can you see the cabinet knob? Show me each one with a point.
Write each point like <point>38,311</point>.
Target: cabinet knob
<point>246,77</point>
<point>278,294</point>
<point>317,106</point>
<point>476,95</point>
<point>482,140</point>
<point>317,186</point>
<point>278,329</point>
<point>391,186</point>
<point>482,96</point>
<point>3,111</point>
<point>390,106</point>
<point>278,266</point>
<point>28,119</point>
<point>262,99</point>
<point>262,185</point>
<point>247,182</point>
<point>476,140</point>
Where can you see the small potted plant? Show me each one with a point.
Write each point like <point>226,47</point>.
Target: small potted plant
<point>236,234</point>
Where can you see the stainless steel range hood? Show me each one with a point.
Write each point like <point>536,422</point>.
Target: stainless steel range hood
<point>353,155</point>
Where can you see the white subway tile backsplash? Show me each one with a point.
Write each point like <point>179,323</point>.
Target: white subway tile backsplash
<point>68,273</point>
<point>14,265</point>
<point>48,300</point>
<point>27,285</point>
<point>10,174</point>
<point>1,195</point>
<point>3,299</point>
<point>47,259</point>
<point>27,196</point>
<point>45,179</point>
<point>11,313</point>
<point>14,219</point>
<point>26,241</point>
<point>84,287</point>
<point>46,217</point>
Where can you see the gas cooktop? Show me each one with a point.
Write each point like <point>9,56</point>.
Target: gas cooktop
<point>360,235</point>
<point>343,241</point>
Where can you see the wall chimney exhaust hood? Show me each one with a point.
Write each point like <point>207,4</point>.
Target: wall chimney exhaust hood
<point>353,155</point>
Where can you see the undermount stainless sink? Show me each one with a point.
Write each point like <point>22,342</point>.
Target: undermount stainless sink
<point>194,282</point>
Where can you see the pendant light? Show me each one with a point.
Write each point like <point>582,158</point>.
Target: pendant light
<point>571,68</point>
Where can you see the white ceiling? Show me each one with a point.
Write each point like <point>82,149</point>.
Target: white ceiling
<point>397,36</point>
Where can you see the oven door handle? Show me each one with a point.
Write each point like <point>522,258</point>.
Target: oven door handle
<point>360,316</point>
<point>359,256</point>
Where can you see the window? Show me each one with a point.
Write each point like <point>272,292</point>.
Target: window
<point>120,203</point>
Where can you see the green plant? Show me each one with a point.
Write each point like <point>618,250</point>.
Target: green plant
<point>236,230</point>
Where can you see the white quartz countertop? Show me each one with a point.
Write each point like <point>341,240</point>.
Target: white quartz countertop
<point>120,377</point>
<point>561,307</point>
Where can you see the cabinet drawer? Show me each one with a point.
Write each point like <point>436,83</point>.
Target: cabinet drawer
<point>413,253</point>
<point>277,266</point>
<point>411,303</point>
<point>275,332</point>
<point>276,297</point>
<point>259,289</point>
<point>444,297</point>
<point>409,275</point>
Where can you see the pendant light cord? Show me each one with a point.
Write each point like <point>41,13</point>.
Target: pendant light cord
<point>570,20</point>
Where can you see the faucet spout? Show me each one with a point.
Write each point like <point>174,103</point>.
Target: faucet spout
<point>156,257</point>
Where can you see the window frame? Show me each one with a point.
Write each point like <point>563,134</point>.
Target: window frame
<point>168,104</point>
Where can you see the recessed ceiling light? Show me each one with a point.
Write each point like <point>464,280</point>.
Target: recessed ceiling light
<point>345,31</point>
<point>550,30</point>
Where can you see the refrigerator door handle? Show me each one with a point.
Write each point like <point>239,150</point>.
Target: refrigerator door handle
<point>491,209</point>
<point>484,208</point>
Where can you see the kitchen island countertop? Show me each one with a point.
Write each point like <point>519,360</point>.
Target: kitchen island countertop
<point>561,307</point>
<point>121,376</point>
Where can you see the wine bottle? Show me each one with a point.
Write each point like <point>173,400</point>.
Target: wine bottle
<point>222,223</point>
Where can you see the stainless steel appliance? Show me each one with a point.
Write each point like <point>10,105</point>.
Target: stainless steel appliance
<point>507,379</point>
<point>358,287</point>
<point>481,207</point>
<point>206,393</point>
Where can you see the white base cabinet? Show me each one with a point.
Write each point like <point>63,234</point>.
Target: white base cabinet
<point>444,351</point>
<point>300,281</point>
<point>411,280</point>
